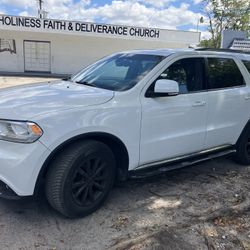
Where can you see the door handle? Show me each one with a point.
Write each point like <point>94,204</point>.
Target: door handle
<point>247,97</point>
<point>199,104</point>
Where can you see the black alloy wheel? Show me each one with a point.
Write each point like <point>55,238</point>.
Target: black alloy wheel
<point>89,181</point>
<point>243,147</point>
<point>80,178</point>
<point>248,145</point>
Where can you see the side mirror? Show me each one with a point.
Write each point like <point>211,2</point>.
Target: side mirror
<point>164,87</point>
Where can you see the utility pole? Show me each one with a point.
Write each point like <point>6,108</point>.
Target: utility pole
<point>200,20</point>
<point>41,12</point>
<point>40,2</point>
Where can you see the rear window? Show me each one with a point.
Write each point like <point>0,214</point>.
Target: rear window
<point>223,73</point>
<point>247,64</point>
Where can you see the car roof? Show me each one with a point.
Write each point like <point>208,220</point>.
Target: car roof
<point>167,52</point>
<point>157,52</point>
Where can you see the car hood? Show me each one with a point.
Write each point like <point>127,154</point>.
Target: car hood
<point>25,102</point>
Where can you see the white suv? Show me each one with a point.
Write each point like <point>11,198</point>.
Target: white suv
<point>123,115</point>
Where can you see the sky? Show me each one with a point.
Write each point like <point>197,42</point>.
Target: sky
<point>166,14</point>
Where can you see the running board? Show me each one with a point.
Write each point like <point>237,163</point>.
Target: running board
<point>163,168</point>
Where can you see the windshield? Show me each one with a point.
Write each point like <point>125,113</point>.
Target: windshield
<point>118,73</point>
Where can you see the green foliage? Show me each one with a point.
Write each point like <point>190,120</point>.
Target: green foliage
<point>226,14</point>
<point>207,43</point>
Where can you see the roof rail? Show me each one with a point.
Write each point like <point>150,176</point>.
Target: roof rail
<point>224,50</point>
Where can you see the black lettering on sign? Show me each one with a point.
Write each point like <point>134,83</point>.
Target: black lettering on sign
<point>2,20</point>
<point>157,34</point>
<point>70,26</point>
<point>147,33</point>
<point>20,22</point>
<point>56,25</point>
<point>125,31</point>
<point>32,23</point>
<point>79,27</point>
<point>105,28</point>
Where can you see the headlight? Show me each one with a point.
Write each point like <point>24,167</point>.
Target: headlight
<point>24,132</point>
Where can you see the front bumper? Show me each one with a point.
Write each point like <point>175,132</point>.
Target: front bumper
<point>20,165</point>
<point>7,193</point>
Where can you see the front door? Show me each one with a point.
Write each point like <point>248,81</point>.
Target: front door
<point>37,56</point>
<point>175,125</point>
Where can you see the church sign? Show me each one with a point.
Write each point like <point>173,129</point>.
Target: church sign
<point>73,27</point>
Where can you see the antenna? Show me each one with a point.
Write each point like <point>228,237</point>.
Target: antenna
<point>41,13</point>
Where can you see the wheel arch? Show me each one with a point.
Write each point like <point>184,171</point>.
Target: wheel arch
<point>247,126</point>
<point>113,142</point>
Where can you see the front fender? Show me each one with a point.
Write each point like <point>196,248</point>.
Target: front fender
<point>62,127</point>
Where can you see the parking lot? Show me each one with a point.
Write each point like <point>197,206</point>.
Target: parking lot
<point>206,206</point>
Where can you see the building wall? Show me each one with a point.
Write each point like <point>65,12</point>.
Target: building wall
<point>12,62</point>
<point>229,35</point>
<point>70,53</point>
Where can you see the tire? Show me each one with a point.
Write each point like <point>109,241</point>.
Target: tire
<point>243,147</point>
<point>80,178</point>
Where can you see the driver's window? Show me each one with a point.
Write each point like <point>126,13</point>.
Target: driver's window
<point>188,72</point>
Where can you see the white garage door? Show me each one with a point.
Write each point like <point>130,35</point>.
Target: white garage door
<point>37,56</point>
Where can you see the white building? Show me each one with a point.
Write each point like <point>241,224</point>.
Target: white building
<point>241,44</point>
<point>236,40</point>
<point>29,44</point>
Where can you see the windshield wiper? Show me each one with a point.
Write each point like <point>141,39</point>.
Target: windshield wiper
<point>87,83</point>
<point>68,78</point>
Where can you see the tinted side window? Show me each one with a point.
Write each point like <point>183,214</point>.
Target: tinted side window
<point>223,73</point>
<point>247,64</point>
<point>188,72</point>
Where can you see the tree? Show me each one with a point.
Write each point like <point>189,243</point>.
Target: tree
<point>226,14</point>
<point>206,43</point>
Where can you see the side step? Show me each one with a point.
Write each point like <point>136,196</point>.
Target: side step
<point>163,168</point>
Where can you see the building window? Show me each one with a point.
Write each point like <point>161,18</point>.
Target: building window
<point>8,45</point>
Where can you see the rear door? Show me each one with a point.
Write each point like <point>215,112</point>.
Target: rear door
<point>228,105</point>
